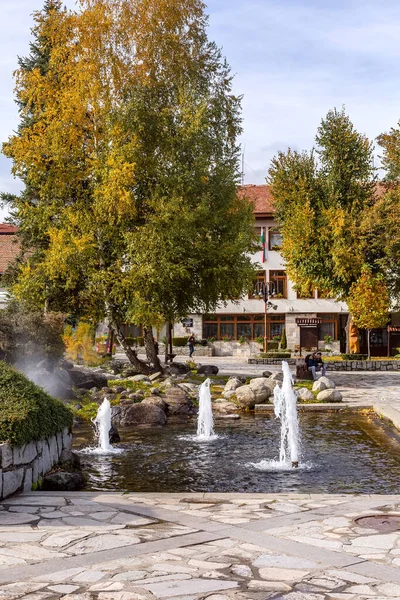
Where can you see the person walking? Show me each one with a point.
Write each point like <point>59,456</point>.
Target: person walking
<point>191,342</point>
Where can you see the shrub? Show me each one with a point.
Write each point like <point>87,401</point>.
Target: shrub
<point>354,356</point>
<point>283,340</point>
<point>272,345</point>
<point>28,413</point>
<point>179,341</point>
<point>275,355</point>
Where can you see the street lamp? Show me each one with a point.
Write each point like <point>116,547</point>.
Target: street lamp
<point>266,290</point>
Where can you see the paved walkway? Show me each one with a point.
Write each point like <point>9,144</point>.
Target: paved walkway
<point>111,546</point>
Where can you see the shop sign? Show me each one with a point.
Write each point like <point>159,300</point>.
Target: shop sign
<point>187,322</point>
<point>307,322</point>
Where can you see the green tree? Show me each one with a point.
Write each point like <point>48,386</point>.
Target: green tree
<point>133,151</point>
<point>368,303</point>
<point>283,340</point>
<point>320,198</point>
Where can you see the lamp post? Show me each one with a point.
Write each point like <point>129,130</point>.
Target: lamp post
<point>266,290</point>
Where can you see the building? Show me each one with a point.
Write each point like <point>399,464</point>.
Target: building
<point>307,320</point>
<point>8,251</point>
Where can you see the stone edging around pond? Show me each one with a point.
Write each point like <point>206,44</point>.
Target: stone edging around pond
<point>337,365</point>
<point>23,466</point>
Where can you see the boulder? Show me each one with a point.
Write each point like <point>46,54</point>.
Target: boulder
<point>232,384</point>
<point>177,368</point>
<point>178,401</point>
<point>63,481</point>
<point>118,389</point>
<point>207,370</point>
<point>305,394</point>
<point>155,391</point>
<point>157,401</point>
<point>223,407</point>
<point>246,397</point>
<point>136,396</point>
<point>155,376</point>
<point>114,435</point>
<point>228,395</point>
<point>278,376</point>
<point>329,384</point>
<point>318,386</point>
<point>139,377</point>
<point>261,387</point>
<point>267,373</point>
<point>138,414</point>
<point>330,396</point>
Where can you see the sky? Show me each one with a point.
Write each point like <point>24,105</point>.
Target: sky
<point>293,61</point>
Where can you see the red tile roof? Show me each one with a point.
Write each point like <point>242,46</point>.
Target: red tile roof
<point>260,196</point>
<point>5,228</point>
<point>8,246</point>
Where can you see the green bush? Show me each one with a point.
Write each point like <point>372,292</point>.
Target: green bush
<point>354,356</point>
<point>27,413</point>
<point>275,355</point>
<point>272,345</point>
<point>283,340</point>
<point>179,341</point>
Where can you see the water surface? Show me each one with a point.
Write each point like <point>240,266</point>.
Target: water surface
<point>340,453</point>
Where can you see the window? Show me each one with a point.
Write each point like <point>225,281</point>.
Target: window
<point>329,325</point>
<point>274,239</point>
<point>227,327</point>
<point>257,231</point>
<point>260,278</point>
<point>278,278</point>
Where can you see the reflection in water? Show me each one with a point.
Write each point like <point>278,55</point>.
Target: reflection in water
<point>341,454</point>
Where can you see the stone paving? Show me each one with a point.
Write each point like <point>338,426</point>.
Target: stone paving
<point>113,546</point>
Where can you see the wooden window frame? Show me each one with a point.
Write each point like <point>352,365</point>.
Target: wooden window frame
<point>283,278</point>
<point>246,319</point>
<point>261,276</point>
<point>273,230</point>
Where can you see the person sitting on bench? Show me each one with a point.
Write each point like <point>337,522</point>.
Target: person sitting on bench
<point>314,363</point>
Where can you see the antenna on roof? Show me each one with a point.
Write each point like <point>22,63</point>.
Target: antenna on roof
<point>244,150</point>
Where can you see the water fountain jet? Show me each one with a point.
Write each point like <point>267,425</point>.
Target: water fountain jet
<point>102,425</point>
<point>205,421</point>
<point>285,405</point>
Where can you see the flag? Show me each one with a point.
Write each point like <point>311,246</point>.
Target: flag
<point>263,245</point>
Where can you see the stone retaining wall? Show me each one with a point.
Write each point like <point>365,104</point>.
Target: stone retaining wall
<point>337,365</point>
<point>24,466</point>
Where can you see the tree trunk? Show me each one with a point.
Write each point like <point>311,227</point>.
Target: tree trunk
<point>369,343</point>
<point>167,340</point>
<point>347,329</point>
<point>110,341</point>
<point>140,365</point>
<point>151,349</point>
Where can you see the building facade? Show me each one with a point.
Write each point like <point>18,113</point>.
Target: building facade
<point>307,320</point>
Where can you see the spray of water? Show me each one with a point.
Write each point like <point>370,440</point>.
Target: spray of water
<point>205,421</point>
<point>285,405</point>
<point>102,425</point>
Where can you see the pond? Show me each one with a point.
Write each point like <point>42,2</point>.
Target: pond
<point>341,453</point>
